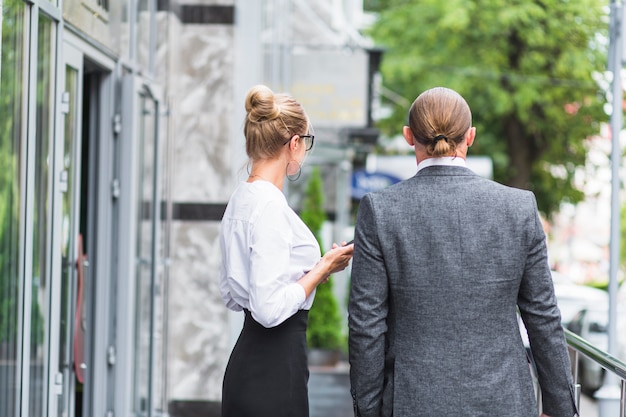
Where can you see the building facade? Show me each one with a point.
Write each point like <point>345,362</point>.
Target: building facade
<point>121,142</point>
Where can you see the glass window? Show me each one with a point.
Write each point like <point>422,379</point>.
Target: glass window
<point>11,93</point>
<point>163,250</point>
<point>145,240</point>
<point>70,138</point>
<point>43,136</point>
<point>152,270</point>
<point>143,35</point>
<point>119,27</point>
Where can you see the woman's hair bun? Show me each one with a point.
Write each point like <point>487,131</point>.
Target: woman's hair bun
<point>261,105</point>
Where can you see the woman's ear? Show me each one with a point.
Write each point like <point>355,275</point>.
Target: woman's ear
<point>408,135</point>
<point>294,142</point>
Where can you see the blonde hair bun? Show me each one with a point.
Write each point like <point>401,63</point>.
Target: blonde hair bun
<point>271,120</point>
<point>261,104</point>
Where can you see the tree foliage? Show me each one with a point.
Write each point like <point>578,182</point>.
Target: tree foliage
<point>324,328</point>
<point>531,70</point>
<point>11,85</point>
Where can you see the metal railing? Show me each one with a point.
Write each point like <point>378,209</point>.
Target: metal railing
<point>578,346</point>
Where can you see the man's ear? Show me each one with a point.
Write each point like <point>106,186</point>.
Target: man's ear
<point>408,135</point>
<point>470,136</point>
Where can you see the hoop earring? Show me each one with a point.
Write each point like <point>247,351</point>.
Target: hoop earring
<point>295,176</point>
<point>248,166</point>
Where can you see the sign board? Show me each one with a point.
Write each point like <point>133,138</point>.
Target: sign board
<point>383,171</point>
<point>405,166</point>
<point>364,182</point>
<point>332,85</point>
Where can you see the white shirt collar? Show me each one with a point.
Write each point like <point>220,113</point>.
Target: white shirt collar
<point>444,160</point>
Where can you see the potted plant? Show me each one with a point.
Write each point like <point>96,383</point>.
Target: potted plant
<point>324,332</point>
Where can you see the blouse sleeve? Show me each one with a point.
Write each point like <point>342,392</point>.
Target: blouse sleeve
<point>274,294</point>
<point>229,301</point>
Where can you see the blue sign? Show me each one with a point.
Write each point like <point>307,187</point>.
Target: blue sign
<point>364,182</point>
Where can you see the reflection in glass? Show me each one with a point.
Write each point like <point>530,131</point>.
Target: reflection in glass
<point>43,135</point>
<point>145,264</point>
<point>67,262</point>
<point>162,270</point>
<point>143,34</point>
<point>152,271</point>
<point>119,27</point>
<point>11,86</point>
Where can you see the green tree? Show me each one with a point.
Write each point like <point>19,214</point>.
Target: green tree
<point>324,329</point>
<point>529,70</point>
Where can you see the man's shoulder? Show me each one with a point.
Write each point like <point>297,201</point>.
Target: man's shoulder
<point>397,188</point>
<point>475,183</point>
<point>507,189</point>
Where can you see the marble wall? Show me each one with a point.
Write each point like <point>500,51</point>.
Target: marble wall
<point>201,92</point>
<point>198,337</point>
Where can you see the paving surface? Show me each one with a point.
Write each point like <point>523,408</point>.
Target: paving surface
<point>329,394</point>
<point>588,407</point>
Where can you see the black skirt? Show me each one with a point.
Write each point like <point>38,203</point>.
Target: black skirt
<point>267,373</point>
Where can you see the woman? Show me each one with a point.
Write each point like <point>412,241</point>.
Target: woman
<point>271,265</point>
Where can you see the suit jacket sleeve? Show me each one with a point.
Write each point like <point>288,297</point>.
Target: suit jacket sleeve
<point>542,318</point>
<point>367,314</point>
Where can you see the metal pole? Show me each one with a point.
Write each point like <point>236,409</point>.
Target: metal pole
<point>616,128</point>
<point>609,394</point>
<point>277,32</point>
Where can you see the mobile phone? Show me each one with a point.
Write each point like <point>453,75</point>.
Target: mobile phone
<point>349,243</point>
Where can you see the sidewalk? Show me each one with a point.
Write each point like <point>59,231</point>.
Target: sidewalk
<point>329,394</point>
<point>588,407</point>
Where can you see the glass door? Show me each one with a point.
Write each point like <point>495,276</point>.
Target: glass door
<point>151,265</point>
<point>69,367</point>
<point>83,351</point>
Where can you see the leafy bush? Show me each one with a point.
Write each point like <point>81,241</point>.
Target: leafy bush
<point>324,329</point>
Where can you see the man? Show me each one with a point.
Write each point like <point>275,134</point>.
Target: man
<point>441,263</point>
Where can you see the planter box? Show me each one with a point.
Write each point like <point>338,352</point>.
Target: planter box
<point>323,357</point>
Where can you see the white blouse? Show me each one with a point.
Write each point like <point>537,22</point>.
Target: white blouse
<point>265,248</point>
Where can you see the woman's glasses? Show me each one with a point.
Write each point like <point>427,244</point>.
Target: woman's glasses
<point>308,141</point>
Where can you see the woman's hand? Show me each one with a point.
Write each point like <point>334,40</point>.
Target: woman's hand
<point>335,260</point>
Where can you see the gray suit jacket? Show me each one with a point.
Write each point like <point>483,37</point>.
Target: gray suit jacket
<point>441,263</point>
